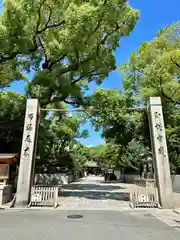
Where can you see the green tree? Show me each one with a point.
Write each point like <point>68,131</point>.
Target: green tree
<point>57,132</point>
<point>118,117</point>
<point>81,155</point>
<point>67,43</point>
<point>154,70</point>
<point>123,128</point>
<point>57,139</point>
<point>12,110</point>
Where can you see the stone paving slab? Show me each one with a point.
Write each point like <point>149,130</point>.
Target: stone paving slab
<point>93,193</point>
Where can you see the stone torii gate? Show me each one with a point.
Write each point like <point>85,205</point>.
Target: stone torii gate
<point>158,143</point>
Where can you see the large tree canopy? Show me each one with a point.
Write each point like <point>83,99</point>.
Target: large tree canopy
<point>68,43</point>
<point>154,70</point>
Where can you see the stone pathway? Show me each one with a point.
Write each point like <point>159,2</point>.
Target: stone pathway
<point>92,193</point>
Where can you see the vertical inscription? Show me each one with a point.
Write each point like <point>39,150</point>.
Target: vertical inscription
<point>28,136</point>
<point>159,133</point>
<point>28,152</point>
<point>161,159</point>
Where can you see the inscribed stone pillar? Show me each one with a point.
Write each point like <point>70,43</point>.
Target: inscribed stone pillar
<point>160,153</point>
<point>28,153</point>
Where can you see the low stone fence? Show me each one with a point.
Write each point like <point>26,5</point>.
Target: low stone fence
<point>130,178</point>
<point>53,179</point>
<point>144,182</point>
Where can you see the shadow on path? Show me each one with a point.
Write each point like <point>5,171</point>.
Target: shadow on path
<point>91,187</point>
<point>96,195</point>
<point>94,192</point>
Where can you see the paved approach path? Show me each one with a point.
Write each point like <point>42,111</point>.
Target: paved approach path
<point>92,193</point>
<point>101,217</point>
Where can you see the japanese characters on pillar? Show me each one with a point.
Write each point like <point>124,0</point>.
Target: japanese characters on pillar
<point>160,152</point>
<point>28,137</point>
<point>159,133</point>
<point>28,153</point>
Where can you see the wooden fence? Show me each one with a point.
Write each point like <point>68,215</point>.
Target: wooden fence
<point>145,197</point>
<point>44,196</point>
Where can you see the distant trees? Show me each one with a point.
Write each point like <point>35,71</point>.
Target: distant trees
<point>153,70</point>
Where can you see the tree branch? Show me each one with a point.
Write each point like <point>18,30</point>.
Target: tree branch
<point>76,65</point>
<point>47,25</point>
<point>12,55</point>
<point>174,62</point>
<point>138,70</point>
<point>42,46</point>
<point>98,24</point>
<point>49,17</point>
<point>91,74</point>
<point>166,96</point>
<point>77,80</point>
<point>104,39</point>
<point>54,25</point>
<point>39,15</point>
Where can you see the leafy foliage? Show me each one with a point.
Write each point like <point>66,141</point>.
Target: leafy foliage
<point>56,133</point>
<point>126,131</point>
<point>154,70</point>
<point>57,139</point>
<point>67,43</point>
<point>12,109</point>
<point>151,71</point>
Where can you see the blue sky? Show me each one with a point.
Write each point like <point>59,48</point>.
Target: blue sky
<point>154,15</point>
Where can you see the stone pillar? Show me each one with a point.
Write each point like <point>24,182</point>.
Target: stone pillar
<point>160,153</point>
<point>28,154</point>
